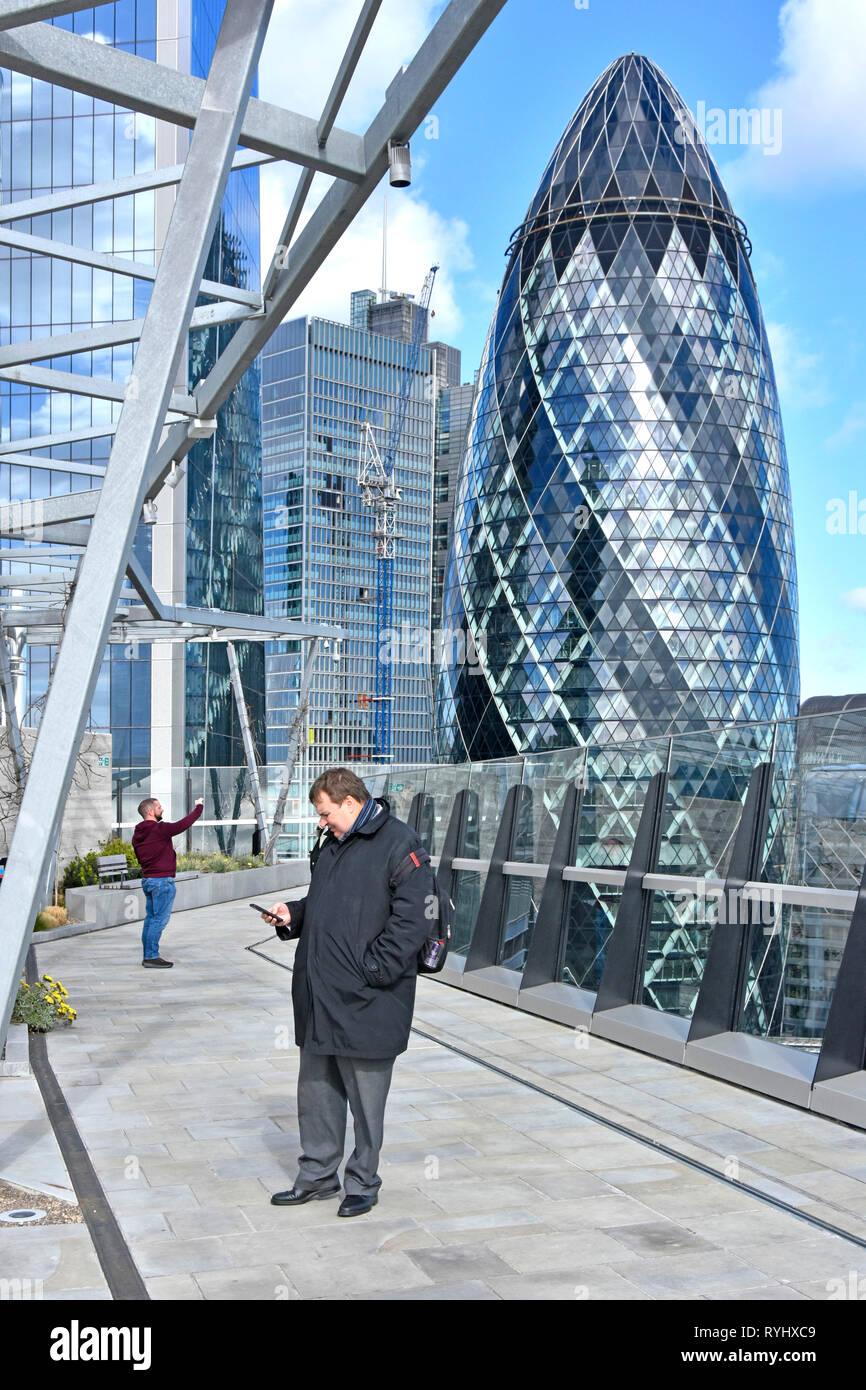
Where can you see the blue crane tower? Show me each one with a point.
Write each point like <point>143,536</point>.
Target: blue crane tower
<point>376,481</point>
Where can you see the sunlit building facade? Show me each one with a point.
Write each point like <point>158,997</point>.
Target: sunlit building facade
<point>164,705</point>
<point>623,553</point>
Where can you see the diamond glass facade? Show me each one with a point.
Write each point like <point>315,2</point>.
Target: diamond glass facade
<point>623,552</point>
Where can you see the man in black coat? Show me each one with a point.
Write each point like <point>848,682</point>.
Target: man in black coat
<point>353,988</point>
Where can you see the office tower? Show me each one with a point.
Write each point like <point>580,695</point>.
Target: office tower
<point>623,541</point>
<point>321,382</point>
<point>165,706</point>
<point>453,413</point>
<point>359,315</point>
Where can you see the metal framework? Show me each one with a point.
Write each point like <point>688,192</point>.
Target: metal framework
<point>93,531</point>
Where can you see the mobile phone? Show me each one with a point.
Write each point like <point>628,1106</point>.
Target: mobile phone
<point>266,910</point>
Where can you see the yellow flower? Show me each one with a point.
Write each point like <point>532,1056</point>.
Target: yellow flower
<point>48,978</point>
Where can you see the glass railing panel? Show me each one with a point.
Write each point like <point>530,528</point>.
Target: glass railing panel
<point>678,941</point>
<point>817,835</point>
<point>707,784</point>
<point>617,780</point>
<point>402,786</point>
<point>443,783</point>
<point>794,960</point>
<point>490,783</point>
<point>590,914</point>
<point>522,900</point>
<point>468,887</point>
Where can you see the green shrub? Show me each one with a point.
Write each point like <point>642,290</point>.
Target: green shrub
<point>82,872</point>
<point>217,863</point>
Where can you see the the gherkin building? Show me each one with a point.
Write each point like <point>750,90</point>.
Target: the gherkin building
<point>622,553</point>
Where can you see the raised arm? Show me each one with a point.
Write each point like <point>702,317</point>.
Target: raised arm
<point>174,827</point>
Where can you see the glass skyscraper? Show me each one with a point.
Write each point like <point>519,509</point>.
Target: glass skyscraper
<point>321,382</point>
<point>164,706</point>
<point>623,552</point>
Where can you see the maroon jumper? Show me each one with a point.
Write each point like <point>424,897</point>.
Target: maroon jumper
<point>151,841</point>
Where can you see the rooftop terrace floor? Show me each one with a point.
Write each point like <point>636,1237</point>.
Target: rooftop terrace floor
<point>506,1170</point>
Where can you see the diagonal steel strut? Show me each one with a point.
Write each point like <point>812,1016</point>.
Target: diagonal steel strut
<point>102,568</point>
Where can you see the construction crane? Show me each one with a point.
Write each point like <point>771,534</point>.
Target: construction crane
<point>378,490</point>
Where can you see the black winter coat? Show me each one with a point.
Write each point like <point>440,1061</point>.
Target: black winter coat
<point>355,968</point>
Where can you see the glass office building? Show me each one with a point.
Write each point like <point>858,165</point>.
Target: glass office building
<point>321,381</point>
<point>163,706</point>
<point>623,552</point>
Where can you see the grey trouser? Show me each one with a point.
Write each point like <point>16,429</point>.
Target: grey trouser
<point>325,1084</point>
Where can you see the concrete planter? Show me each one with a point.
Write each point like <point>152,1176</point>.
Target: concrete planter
<point>110,907</point>
<point>17,1059</point>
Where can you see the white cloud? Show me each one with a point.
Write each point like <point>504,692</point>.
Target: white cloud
<point>853,425</point>
<point>855,598</point>
<point>305,43</point>
<point>819,91</point>
<point>799,373</point>
<point>418,237</point>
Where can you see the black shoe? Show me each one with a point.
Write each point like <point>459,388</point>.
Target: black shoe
<point>157,963</point>
<point>297,1199</point>
<point>356,1206</point>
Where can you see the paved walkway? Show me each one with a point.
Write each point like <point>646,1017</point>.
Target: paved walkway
<point>182,1085</point>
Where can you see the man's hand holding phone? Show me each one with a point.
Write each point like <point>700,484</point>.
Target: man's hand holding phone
<point>278,915</point>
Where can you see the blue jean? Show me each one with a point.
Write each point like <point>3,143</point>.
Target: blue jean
<point>159,896</point>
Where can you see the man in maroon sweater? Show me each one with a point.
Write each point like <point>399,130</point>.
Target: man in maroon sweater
<point>154,851</point>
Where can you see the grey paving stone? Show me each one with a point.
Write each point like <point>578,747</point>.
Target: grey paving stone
<point>461,1262</point>
<point>315,1277</point>
<point>179,1256</point>
<point>597,1284</point>
<point>473,1291</point>
<point>173,1287</point>
<point>576,1249</point>
<point>690,1275</point>
<point>260,1282</point>
<point>654,1238</point>
<point>209,1221</point>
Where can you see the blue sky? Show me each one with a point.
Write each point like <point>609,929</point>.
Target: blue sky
<point>477,166</point>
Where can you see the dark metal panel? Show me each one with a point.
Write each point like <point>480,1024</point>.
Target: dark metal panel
<point>621,981</point>
<point>720,998</point>
<point>421,816</point>
<point>843,1049</point>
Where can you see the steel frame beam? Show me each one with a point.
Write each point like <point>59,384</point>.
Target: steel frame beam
<point>90,614</point>
<point>14,13</point>
<point>409,98</point>
<point>247,738</point>
<point>112,188</point>
<point>111,335</point>
<point>137,84</point>
<point>77,384</point>
<point>117,265</point>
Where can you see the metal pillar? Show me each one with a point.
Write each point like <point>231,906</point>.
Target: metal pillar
<point>622,977</point>
<point>421,816</point>
<point>843,1049</point>
<point>547,949</point>
<point>10,708</point>
<point>295,732</point>
<point>247,736</point>
<point>136,440</point>
<point>722,990</point>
